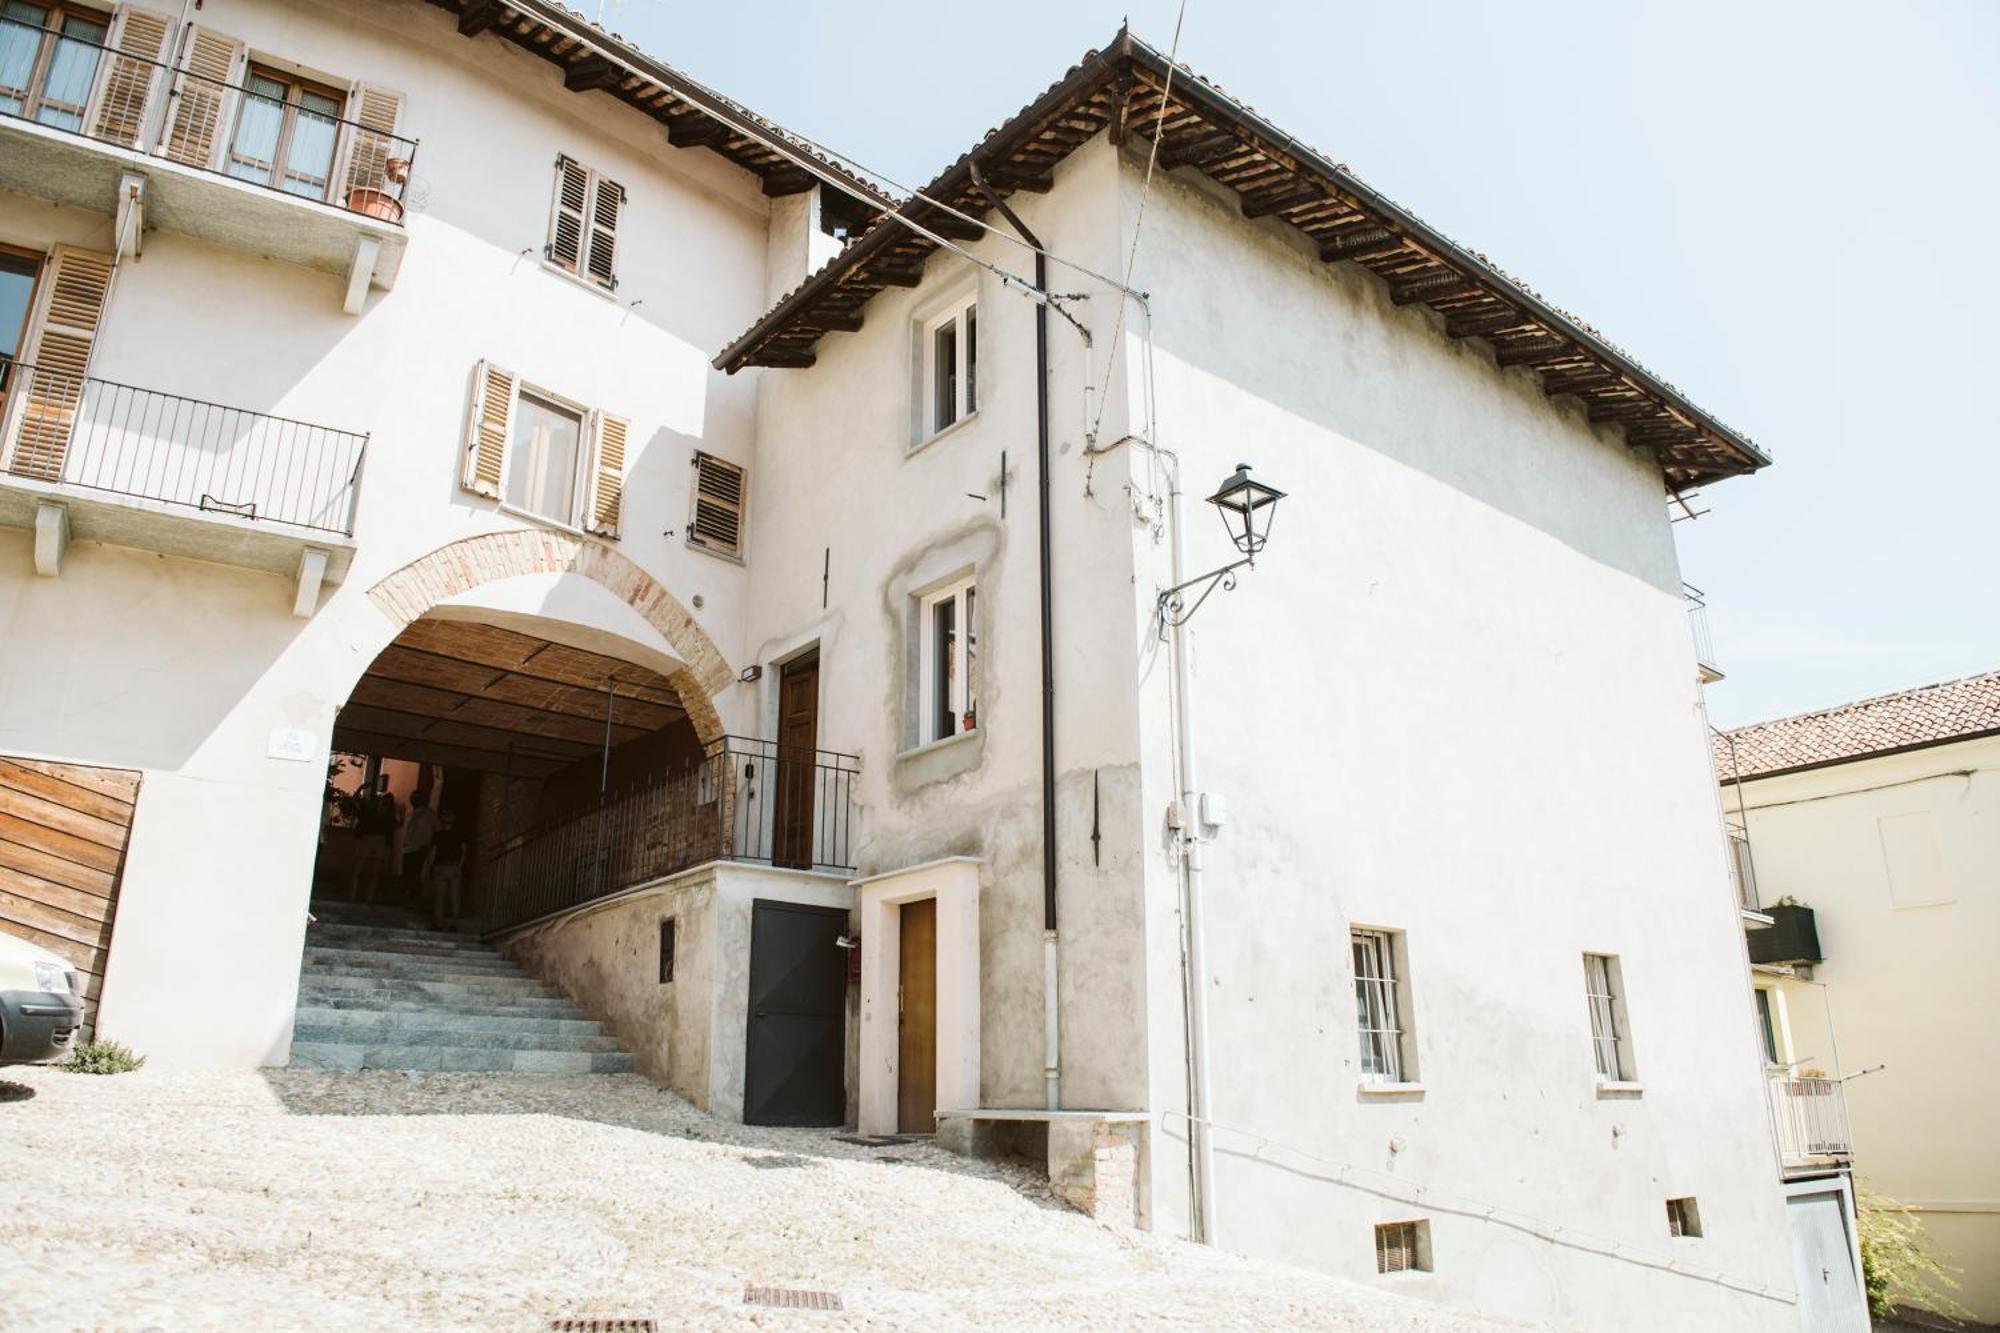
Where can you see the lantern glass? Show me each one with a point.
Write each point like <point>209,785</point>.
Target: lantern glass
<point>1247,506</point>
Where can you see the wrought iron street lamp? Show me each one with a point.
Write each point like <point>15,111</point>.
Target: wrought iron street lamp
<point>1247,507</point>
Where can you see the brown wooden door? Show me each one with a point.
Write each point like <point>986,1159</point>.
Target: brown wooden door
<point>62,849</point>
<point>798,740</point>
<point>916,1024</point>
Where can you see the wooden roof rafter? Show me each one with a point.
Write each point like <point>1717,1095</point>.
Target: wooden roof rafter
<point>592,59</point>
<point>1133,91</point>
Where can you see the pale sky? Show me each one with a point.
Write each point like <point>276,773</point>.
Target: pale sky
<point>1787,209</point>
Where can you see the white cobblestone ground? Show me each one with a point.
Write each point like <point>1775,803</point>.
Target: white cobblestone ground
<point>381,1201</point>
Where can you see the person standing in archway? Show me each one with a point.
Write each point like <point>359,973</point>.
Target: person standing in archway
<point>375,826</point>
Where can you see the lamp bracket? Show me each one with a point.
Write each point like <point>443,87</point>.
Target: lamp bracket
<point>1175,609</point>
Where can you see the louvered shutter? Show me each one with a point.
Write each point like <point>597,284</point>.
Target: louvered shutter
<point>125,89</point>
<point>606,203</point>
<point>717,523</point>
<point>64,329</point>
<point>369,140</point>
<point>205,102</point>
<point>494,392</point>
<point>607,471</point>
<point>567,215</point>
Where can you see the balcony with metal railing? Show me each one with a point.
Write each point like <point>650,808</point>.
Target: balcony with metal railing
<point>92,459</point>
<point>89,116</point>
<point>1704,646</point>
<point>1810,1114</point>
<point>746,800</point>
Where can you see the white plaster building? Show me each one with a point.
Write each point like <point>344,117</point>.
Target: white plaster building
<point>889,816</point>
<point>1877,850</point>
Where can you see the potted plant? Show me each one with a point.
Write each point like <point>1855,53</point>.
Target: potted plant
<point>374,203</point>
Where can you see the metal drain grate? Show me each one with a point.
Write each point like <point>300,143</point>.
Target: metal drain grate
<point>792,1298</point>
<point>603,1326</point>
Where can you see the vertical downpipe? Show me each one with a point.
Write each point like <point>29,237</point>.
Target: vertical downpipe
<point>1051,999</point>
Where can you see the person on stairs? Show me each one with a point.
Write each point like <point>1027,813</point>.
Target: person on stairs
<point>374,827</point>
<point>446,870</point>
<point>419,827</point>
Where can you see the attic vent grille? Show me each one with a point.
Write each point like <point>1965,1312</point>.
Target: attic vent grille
<point>717,521</point>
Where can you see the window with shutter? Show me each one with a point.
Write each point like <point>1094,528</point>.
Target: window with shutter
<point>205,98</point>
<point>717,521</point>
<point>583,223</point>
<point>607,473</point>
<point>125,94</point>
<point>493,394</point>
<point>49,386</point>
<point>371,143</point>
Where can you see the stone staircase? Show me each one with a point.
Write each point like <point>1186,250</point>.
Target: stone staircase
<point>378,991</point>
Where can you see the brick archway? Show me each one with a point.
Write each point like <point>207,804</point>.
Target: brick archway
<point>471,561</point>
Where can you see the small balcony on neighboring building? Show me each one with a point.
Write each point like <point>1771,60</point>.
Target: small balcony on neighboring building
<point>1704,646</point>
<point>216,146</point>
<point>1810,1112</point>
<point>94,460</point>
<point>746,800</point>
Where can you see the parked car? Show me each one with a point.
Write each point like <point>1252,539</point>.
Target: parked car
<point>41,1003</point>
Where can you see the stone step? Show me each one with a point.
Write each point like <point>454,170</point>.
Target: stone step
<point>463,962</point>
<point>339,934</point>
<point>405,952</point>
<point>498,1041</point>
<point>384,1022</point>
<point>461,1059</point>
<point>393,971</point>
<point>359,914</point>
<point>469,1006</point>
<point>510,990</point>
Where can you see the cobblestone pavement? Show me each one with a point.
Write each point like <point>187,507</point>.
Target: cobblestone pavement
<point>374,1201</point>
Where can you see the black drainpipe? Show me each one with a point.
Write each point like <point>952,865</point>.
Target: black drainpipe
<point>1048,585</point>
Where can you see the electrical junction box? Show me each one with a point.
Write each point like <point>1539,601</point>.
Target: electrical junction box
<point>1214,813</point>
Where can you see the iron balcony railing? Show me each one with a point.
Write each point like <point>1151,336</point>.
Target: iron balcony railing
<point>1704,647</point>
<point>744,800</point>
<point>262,131</point>
<point>101,436</point>
<point>1811,1116</point>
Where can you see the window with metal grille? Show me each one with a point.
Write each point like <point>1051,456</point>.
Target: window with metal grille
<point>1378,1017</point>
<point>1403,1247</point>
<point>716,522</point>
<point>583,224</point>
<point>1610,1041</point>
<point>666,951</point>
<point>1683,1218</point>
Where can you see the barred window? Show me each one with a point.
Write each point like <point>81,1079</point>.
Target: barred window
<point>1403,1247</point>
<point>1379,1018</point>
<point>1610,1039</point>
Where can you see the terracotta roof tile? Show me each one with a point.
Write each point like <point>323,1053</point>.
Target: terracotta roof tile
<point>1927,715</point>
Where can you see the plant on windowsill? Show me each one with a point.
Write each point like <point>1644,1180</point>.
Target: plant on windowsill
<point>970,720</point>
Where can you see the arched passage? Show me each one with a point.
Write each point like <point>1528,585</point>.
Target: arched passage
<point>463,565</point>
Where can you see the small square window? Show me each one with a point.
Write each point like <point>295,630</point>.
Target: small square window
<point>666,951</point>
<point>1683,1218</point>
<point>950,350</point>
<point>1403,1247</point>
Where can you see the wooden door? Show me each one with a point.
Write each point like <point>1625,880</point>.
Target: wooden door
<point>798,743</point>
<point>795,1059</point>
<point>916,1023</point>
<point>62,849</point>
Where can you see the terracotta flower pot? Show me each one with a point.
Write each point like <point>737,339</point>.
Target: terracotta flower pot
<point>374,203</point>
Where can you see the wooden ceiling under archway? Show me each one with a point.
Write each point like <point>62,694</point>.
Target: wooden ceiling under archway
<point>497,701</point>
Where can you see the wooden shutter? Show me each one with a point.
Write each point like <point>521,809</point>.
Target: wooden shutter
<point>607,469</point>
<point>567,215</point>
<point>125,89</point>
<point>719,487</point>
<point>606,202</point>
<point>62,333</point>
<point>494,392</point>
<point>204,112</point>
<point>369,140</point>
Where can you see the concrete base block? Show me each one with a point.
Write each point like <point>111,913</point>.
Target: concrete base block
<point>1096,1166</point>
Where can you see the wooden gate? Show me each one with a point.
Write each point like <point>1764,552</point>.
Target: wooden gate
<point>63,830</point>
